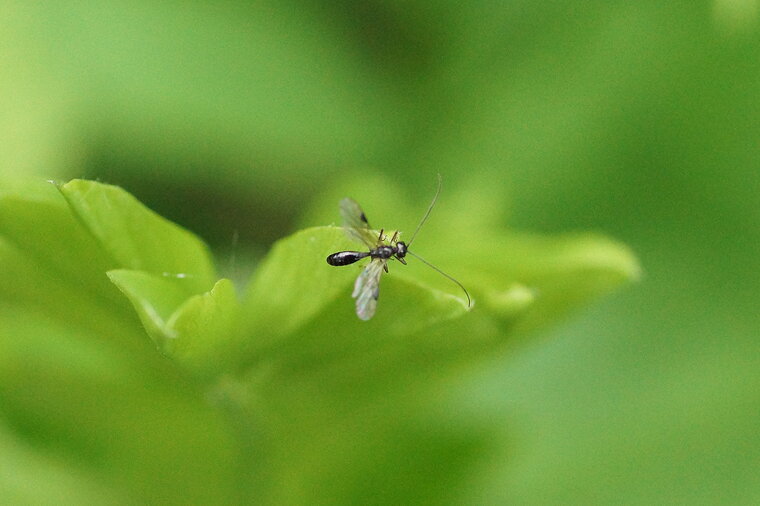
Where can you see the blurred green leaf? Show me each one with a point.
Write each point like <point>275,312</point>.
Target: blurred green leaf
<point>119,418</point>
<point>155,298</point>
<point>136,237</point>
<point>295,285</point>
<point>28,476</point>
<point>554,274</point>
<point>327,385</point>
<point>196,330</point>
<point>88,400</point>
<point>506,271</point>
<point>35,219</point>
<point>52,264</point>
<point>273,362</point>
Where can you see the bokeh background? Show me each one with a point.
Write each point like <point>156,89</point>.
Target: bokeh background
<point>640,120</point>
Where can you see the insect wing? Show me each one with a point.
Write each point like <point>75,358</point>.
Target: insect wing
<point>367,289</point>
<point>356,223</point>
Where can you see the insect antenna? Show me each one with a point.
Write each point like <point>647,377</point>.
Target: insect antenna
<point>469,301</point>
<point>427,213</point>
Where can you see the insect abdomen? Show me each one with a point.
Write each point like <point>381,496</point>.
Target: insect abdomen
<point>346,257</point>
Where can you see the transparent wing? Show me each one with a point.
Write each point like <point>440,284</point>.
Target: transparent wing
<point>356,223</point>
<point>367,288</point>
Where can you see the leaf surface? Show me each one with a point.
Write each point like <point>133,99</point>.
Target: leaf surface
<point>196,330</point>
<point>136,237</point>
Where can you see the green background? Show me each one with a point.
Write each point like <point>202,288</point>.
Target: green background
<point>244,122</point>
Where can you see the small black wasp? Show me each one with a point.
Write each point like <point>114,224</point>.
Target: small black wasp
<point>381,250</point>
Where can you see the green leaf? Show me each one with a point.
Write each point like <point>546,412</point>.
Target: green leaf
<point>155,298</point>
<point>506,271</point>
<point>89,407</point>
<point>196,330</point>
<point>36,220</point>
<point>207,327</point>
<point>520,281</point>
<point>32,477</point>
<point>120,418</point>
<point>301,315</point>
<point>292,348</point>
<point>295,285</point>
<point>554,274</point>
<point>136,237</point>
<point>326,372</point>
<point>50,263</point>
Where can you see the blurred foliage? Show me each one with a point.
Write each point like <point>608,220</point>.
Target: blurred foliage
<point>271,365</point>
<point>247,121</point>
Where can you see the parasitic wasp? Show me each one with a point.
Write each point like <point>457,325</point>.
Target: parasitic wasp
<point>381,250</point>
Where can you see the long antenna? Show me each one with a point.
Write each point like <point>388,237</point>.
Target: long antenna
<point>430,208</point>
<point>469,301</point>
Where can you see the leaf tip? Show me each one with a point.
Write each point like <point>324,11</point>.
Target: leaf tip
<point>513,300</point>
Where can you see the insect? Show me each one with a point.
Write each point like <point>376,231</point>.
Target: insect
<point>381,251</point>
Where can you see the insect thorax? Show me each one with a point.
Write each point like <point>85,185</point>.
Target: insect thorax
<point>382,252</point>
